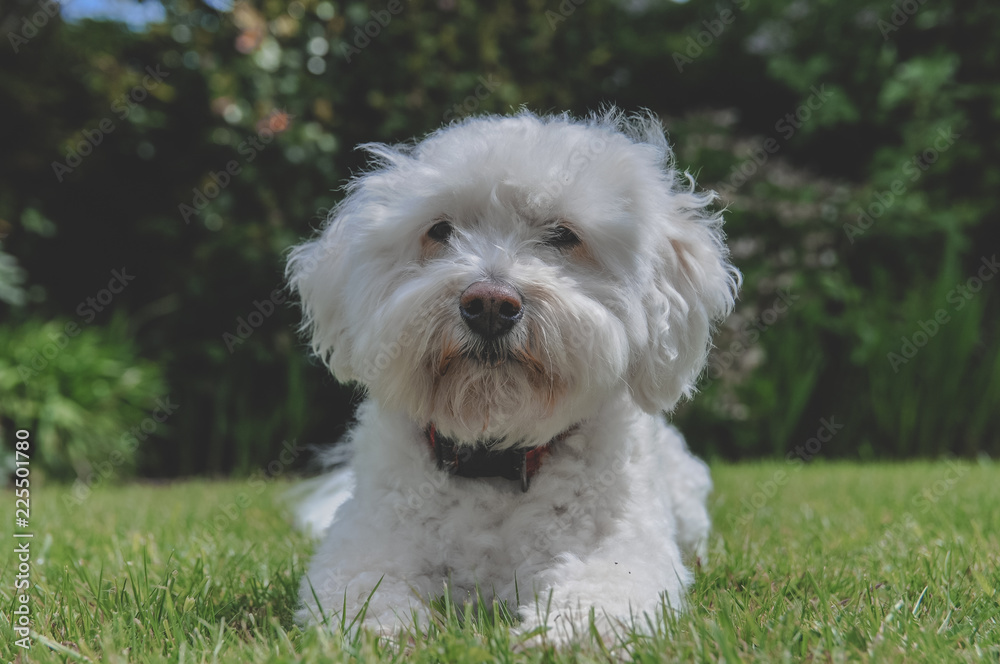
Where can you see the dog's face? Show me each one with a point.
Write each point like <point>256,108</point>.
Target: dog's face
<point>506,276</point>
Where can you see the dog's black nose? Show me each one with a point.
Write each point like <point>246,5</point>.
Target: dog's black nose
<point>490,309</point>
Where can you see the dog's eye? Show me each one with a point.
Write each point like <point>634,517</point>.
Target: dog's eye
<point>562,237</point>
<point>440,232</point>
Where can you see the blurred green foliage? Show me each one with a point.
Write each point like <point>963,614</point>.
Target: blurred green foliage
<point>82,392</point>
<point>807,116</point>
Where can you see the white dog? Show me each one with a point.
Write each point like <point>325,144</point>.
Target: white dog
<point>520,298</point>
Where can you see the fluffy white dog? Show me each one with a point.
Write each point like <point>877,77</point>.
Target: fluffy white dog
<point>521,298</point>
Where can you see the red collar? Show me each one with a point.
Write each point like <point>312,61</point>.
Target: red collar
<point>481,461</point>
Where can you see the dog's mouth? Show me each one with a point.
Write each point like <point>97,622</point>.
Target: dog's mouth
<point>490,354</point>
<point>479,353</point>
<point>496,354</point>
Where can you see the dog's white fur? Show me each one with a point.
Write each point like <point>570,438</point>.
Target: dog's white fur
<point>614,331</point>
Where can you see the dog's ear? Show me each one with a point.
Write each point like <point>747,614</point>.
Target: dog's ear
<point>329,272</point>
<point>691,286</point>
<point>318,273</point>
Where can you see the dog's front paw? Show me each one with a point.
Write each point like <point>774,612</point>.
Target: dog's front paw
<point>561,627</point>
<point>396,625</point>
<point>392,611</point>
<point>536,631</point>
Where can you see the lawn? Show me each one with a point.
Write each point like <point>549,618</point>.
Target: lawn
<point>827,562</point>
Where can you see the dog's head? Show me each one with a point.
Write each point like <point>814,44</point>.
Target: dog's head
<point>507,275</point>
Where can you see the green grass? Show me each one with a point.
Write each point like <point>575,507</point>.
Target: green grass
<point>842,563</point>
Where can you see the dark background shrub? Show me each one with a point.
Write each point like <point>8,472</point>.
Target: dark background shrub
<point>866,98</point>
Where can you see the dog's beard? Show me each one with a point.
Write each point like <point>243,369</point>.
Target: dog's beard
<point>489,390</point>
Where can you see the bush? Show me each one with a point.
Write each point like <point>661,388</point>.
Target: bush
<point>84,395</point>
